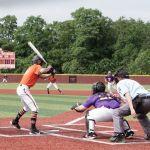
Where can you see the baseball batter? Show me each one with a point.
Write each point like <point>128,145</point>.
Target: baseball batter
<point>52,82</point>
<point>104,105</point>
<point>28,80</point>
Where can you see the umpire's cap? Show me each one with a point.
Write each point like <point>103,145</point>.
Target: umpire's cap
<point>98,87</point>
<point>122,73</point>
<point>35,59</point>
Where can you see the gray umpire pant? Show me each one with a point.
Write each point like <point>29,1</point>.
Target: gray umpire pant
<point>141,106</point>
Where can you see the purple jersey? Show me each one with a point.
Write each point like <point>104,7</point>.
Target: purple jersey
<point>109,78</point>
<point>101,99</point>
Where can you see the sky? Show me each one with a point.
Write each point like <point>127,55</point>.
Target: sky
<point>60,10</point>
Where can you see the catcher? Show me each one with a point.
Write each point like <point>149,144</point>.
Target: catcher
<point>28,80</point>
<point>104,105</point>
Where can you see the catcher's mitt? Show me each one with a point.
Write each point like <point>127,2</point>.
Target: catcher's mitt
<point>76,105</point>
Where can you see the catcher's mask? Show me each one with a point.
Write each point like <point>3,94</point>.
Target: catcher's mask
<point>98,87</point>
<point>121,73</point>
<point>36,59</point>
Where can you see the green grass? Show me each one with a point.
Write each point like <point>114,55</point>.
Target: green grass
<point>42,86</point>
<point>49,105</point>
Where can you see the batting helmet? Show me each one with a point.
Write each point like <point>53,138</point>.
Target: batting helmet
<point>122,74</point>
<point>36,59</point>
<point>98,87</point>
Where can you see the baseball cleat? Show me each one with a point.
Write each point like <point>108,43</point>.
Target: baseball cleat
<point>15,124</point>
<point>118,138</point>
<point>147,137</point>
<point>34,131</point>
<point>128,133</point>
<point>60,91</point>
<point>91,135</point>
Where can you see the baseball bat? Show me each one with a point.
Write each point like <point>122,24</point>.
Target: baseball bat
<point>36,51</point>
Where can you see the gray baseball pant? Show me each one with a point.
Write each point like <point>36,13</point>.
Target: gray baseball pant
<point>141,106</point>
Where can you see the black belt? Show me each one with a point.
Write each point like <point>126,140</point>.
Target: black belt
<point>146,97</point>
<point>22,85</point>
<point>142,97</point>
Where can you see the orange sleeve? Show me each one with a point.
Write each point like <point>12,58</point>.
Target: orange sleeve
<point>37,69</point>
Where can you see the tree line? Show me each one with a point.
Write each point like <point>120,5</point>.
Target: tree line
<point>89,43</point>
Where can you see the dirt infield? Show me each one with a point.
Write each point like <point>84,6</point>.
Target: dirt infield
<point>65,132</point>
<point>55,92</point>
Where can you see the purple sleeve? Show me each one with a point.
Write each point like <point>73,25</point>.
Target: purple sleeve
<point>89,102</point>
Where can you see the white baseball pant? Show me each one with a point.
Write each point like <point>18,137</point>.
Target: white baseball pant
<point>101,114</point>
<point>26,98</point>
<point>52,84</point>
<point>4,80</point>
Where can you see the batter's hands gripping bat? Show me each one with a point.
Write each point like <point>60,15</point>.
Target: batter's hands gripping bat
<point>36,51</point>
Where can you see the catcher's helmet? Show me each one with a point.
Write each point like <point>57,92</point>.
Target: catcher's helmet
<point>122,74</point>
<point>98,87</point>
<point>36,59</point>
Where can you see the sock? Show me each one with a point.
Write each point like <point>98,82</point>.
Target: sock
<point>59,90</point>
<point>47,90</point>
<point>33,120</point>
<point>19,115</point>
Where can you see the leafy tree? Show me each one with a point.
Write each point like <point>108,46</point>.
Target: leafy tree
<point>141,65</point>
<point>8,26</point>
<point>31,30</point>
<point>130,38</point>
<point>89,43</point>
<point>93,39</point>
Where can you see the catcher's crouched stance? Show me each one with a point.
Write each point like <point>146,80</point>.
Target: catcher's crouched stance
<point>104,104</point>
<point>28,80</point>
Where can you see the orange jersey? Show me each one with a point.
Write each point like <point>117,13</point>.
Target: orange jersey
<point>31,75</point>
<point>52,79</point>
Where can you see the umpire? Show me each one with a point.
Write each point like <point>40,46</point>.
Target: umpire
<point>137,104</point>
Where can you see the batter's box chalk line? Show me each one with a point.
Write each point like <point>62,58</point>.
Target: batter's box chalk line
<point>45,132</point>
<point>93,140</point>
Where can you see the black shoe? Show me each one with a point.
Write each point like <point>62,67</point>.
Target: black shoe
<point>47,91</point>
<point>91,135</point>
<point>118,138</point>
<point>60,91</point>
<point>147,137</point>
<point>34,131</point>
<point>128,133</point>
<point>15,124</point>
